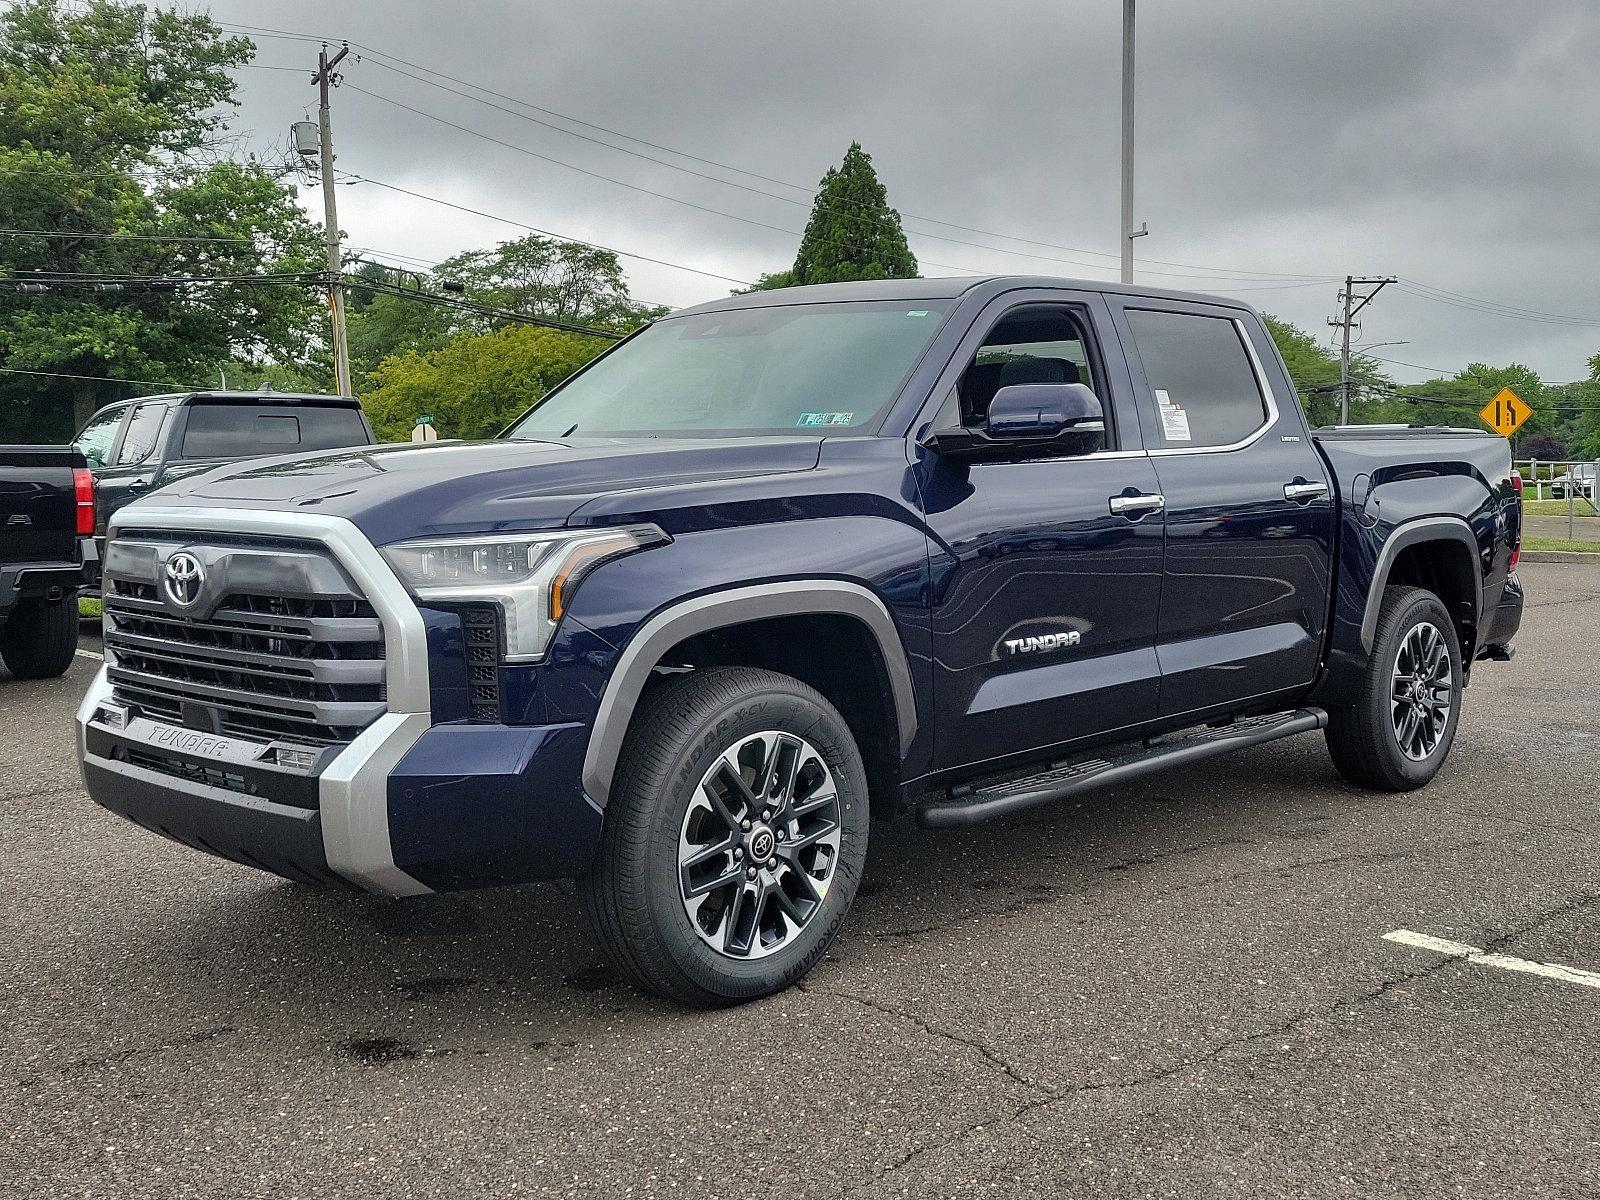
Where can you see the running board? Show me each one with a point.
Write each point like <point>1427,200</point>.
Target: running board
<point>1001,800</point>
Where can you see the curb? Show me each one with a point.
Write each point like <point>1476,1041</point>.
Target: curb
<point>1560,556</point>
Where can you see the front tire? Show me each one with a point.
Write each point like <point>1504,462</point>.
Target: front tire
<point>39,640</point>
<point>735,837</point>
<point>1398,733</point>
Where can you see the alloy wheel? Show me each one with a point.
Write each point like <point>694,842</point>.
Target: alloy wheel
<point>1422,692</point>
<point>759,845</point>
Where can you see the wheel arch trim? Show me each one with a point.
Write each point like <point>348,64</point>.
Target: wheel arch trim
<point>721,610</point>
<point>1413,533</point>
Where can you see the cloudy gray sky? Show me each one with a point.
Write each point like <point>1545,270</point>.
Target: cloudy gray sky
<point>1282,144</point>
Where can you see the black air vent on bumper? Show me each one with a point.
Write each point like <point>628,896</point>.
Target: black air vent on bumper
<point>480,624</point>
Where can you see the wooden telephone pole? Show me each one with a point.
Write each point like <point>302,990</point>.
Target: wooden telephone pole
<point>325,79</point>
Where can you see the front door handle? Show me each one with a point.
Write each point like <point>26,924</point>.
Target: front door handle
<point>1302,492</point>
<point>1134,507</point>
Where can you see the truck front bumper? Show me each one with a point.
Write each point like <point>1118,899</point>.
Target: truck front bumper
<point>406,808</point>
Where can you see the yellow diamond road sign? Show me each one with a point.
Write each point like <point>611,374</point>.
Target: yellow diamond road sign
<point>1505,413</point>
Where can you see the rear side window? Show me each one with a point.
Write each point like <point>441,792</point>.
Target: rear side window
<point>240,431</point>
<point>1205,388</point>
<point>144,428</point>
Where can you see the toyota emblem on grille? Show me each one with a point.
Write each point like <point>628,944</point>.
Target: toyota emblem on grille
<point>183,578</point>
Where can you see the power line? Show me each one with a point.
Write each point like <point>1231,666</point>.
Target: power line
<point>1205,272</point>
<point>478,212</point>
<point>485,310</point>
<point>1456,300</point>
<point>128,237</point>
<point>97,378</point>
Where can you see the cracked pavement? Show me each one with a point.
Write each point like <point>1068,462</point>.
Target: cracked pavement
<point>1176,988</point>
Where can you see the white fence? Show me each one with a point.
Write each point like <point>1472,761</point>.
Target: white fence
<point>1574,481</point>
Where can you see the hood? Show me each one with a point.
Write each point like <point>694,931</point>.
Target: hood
<point>441,488</point>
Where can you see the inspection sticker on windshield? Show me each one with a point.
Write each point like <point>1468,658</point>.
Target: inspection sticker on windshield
<point>809,419</point>
<point>1174,421</point>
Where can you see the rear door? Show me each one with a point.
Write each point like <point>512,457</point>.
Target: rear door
<point>1249,506</point>
<point>1046,568</point>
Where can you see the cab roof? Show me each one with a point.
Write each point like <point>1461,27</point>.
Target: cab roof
<point>950,288</point>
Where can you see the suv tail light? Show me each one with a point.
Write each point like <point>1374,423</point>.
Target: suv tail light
<point>83,493</point>
<point>1516,547</point>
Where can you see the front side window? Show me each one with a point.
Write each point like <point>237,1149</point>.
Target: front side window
<point>1037,343</point>
<point>1199,372</point>
<point>144,428</point>
<point>94,440</point>
<point>809,369</point>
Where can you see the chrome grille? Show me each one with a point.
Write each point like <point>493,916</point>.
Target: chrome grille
<point>304,664</point>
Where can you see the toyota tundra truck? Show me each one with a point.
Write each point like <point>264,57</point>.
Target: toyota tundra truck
<point>775,567</point>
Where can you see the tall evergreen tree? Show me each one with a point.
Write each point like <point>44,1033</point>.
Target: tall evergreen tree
<point>852,233</point>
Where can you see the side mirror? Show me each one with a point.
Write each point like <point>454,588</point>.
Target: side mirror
<point>1060,418</point>
<point>1031,412</point>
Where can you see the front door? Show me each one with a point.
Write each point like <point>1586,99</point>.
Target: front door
<point>1047,570</point>
<point>132,469</point>
<point>1249,506</point>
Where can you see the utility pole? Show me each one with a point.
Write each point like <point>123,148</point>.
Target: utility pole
<point>325,80</point>
<point>1127,141</point>
<point>1349,297</point>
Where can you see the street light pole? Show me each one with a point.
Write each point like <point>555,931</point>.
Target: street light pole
<point>1127,141</point>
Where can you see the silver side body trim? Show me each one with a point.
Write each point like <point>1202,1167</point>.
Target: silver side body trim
<point>719,610</point>
<point>1424,529</point>
<point>353,789</point>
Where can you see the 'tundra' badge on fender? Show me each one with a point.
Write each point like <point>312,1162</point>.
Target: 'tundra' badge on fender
<point>1045,641</point>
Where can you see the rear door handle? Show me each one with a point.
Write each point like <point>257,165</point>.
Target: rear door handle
<point>1302,492</point>
<point>1134,507</point>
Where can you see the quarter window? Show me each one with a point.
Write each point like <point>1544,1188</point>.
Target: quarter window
<point>1199,371</point>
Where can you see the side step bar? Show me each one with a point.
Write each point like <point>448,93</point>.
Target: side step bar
<point>1001,800</point>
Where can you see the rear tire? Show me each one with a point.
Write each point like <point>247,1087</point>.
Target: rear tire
<point>39,640</point>
<point>728,771</point>
<point>1398,732</point>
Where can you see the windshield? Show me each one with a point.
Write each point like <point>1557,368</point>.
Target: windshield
<point>822,369</point>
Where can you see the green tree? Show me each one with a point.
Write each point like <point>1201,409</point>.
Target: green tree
<point>1314,369</point>
<point>477,383</point>
<point>379,325</point>
<point>113,127</point>
<point>1458,400</point>
<point>852,232</point>
<point>542,277</point>
<point>1586,402</point>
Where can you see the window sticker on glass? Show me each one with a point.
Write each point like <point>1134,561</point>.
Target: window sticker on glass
<point>1174,421</point>
<point>809,419</point>
<point>917,312</point>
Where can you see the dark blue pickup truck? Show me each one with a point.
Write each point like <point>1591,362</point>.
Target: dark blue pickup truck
<point>778,565</point>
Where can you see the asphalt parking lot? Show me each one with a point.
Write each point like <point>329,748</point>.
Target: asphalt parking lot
<point>1180,988</point>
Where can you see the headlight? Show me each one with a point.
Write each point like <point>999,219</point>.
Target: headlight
<point>530,576</point>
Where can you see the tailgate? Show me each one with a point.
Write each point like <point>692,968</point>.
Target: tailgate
<point>38,514</point>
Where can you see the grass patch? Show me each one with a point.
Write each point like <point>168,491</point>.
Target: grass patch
<point>1558,508</point>
<point>1560,544</point>
<point>88,606</point>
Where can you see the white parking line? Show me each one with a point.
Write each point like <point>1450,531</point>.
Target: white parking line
<point>1505,962</point>
<point>90,654</point>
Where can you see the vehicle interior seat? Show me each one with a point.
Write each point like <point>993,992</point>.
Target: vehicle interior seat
<point>981,381</point>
